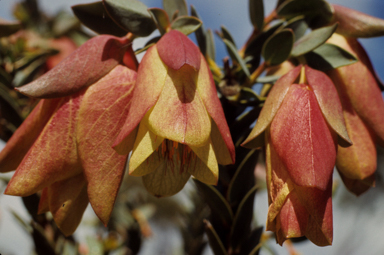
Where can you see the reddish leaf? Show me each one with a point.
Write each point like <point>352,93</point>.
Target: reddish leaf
<point>83,67</point>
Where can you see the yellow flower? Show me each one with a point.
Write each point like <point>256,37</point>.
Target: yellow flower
<point>175,126</point>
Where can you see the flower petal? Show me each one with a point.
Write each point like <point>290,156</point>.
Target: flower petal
<point>149,84</point>
<point>319,206</point>
<point>179,114</point>
<point>303,140</point>
<point>205,167</point>
<point>270,108</point>
<point>24,137</point>
<point>207,91</point>
<point>97,126</point>
<point>358,187</point>
<point>165,180</point>
<point>360,84</point>
<point>359,160</point>
<point>279,183</point>
<point>67,202</point>
<point>83,67</point>
<point>145,145</point>
<point>329,102</point>
<point>44,202</point>
<point>53,156</point>
<point>176,49</point>
<point>293,219</point>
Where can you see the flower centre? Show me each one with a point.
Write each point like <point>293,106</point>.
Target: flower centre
<point>178,155</point>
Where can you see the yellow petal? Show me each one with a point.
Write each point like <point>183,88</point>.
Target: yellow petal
<point>149,84</point>
<point>222,141</point>
<point>223,155</point>
<point>179,114</point>
<point>146,143</point>
<point>205,168</point>
<point>67,202</point>
<point>166,180</point>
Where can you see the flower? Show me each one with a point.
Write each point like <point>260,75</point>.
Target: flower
<point>300,125</point>
<point>176,126</point>
<point>64,147</point>
<point>363,109</point>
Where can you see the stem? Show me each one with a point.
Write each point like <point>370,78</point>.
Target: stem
<point>268,19</point>
<point>303,78</point>
<point>130,37</point>
<point>256,74</point>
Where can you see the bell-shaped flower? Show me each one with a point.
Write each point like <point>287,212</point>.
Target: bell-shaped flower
<point>363,109</point>
<point>64,148</point>
<point>176,125</point>
<point>300,125</point>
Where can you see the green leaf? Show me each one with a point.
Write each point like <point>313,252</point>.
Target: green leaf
<point>30,57</point>
<point>8,28</point>
<point>317,12</point>
<point>244,178</point>
<point>278,47</point>
<point>249,97</point>
<point>242,223</point>
<point>29,73</point>
<point>236,57</point>
<point>313,40</point>
<point>214,240</point>
<point>5,77</point>
<point>200,33</point>
<point>186,24</point>
<point>210,45</point>
<point>219,206</point>
<point>329,56</point>
<point>298,26</point>
<point>256,12</point>
<point>175,6</point>
<point>255,46</point>
<point>95,17</point>
<point>131,15</point>
<point>227,35</point>
<point>161,18</point>
<point>64,23</point>
<point>268,79</point>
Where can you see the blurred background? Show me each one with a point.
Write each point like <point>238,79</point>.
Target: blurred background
<point>358,224</point>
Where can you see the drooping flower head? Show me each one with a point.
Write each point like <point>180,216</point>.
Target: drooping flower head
<point>64,147</point>
<point>300,125</point>
<point>363,109</point>
<point>176,125</point>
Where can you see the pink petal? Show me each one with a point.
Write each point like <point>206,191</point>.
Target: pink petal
<point>176,49</point>
<point>270,108</point>
<point>303,140</point>
<point>101,116</point>
<point>24,137</point>
<point>83,67</point>
<point>329,102</point>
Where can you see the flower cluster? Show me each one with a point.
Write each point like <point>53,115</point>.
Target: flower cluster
<point>168,115</point>
<point>102,113</point>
